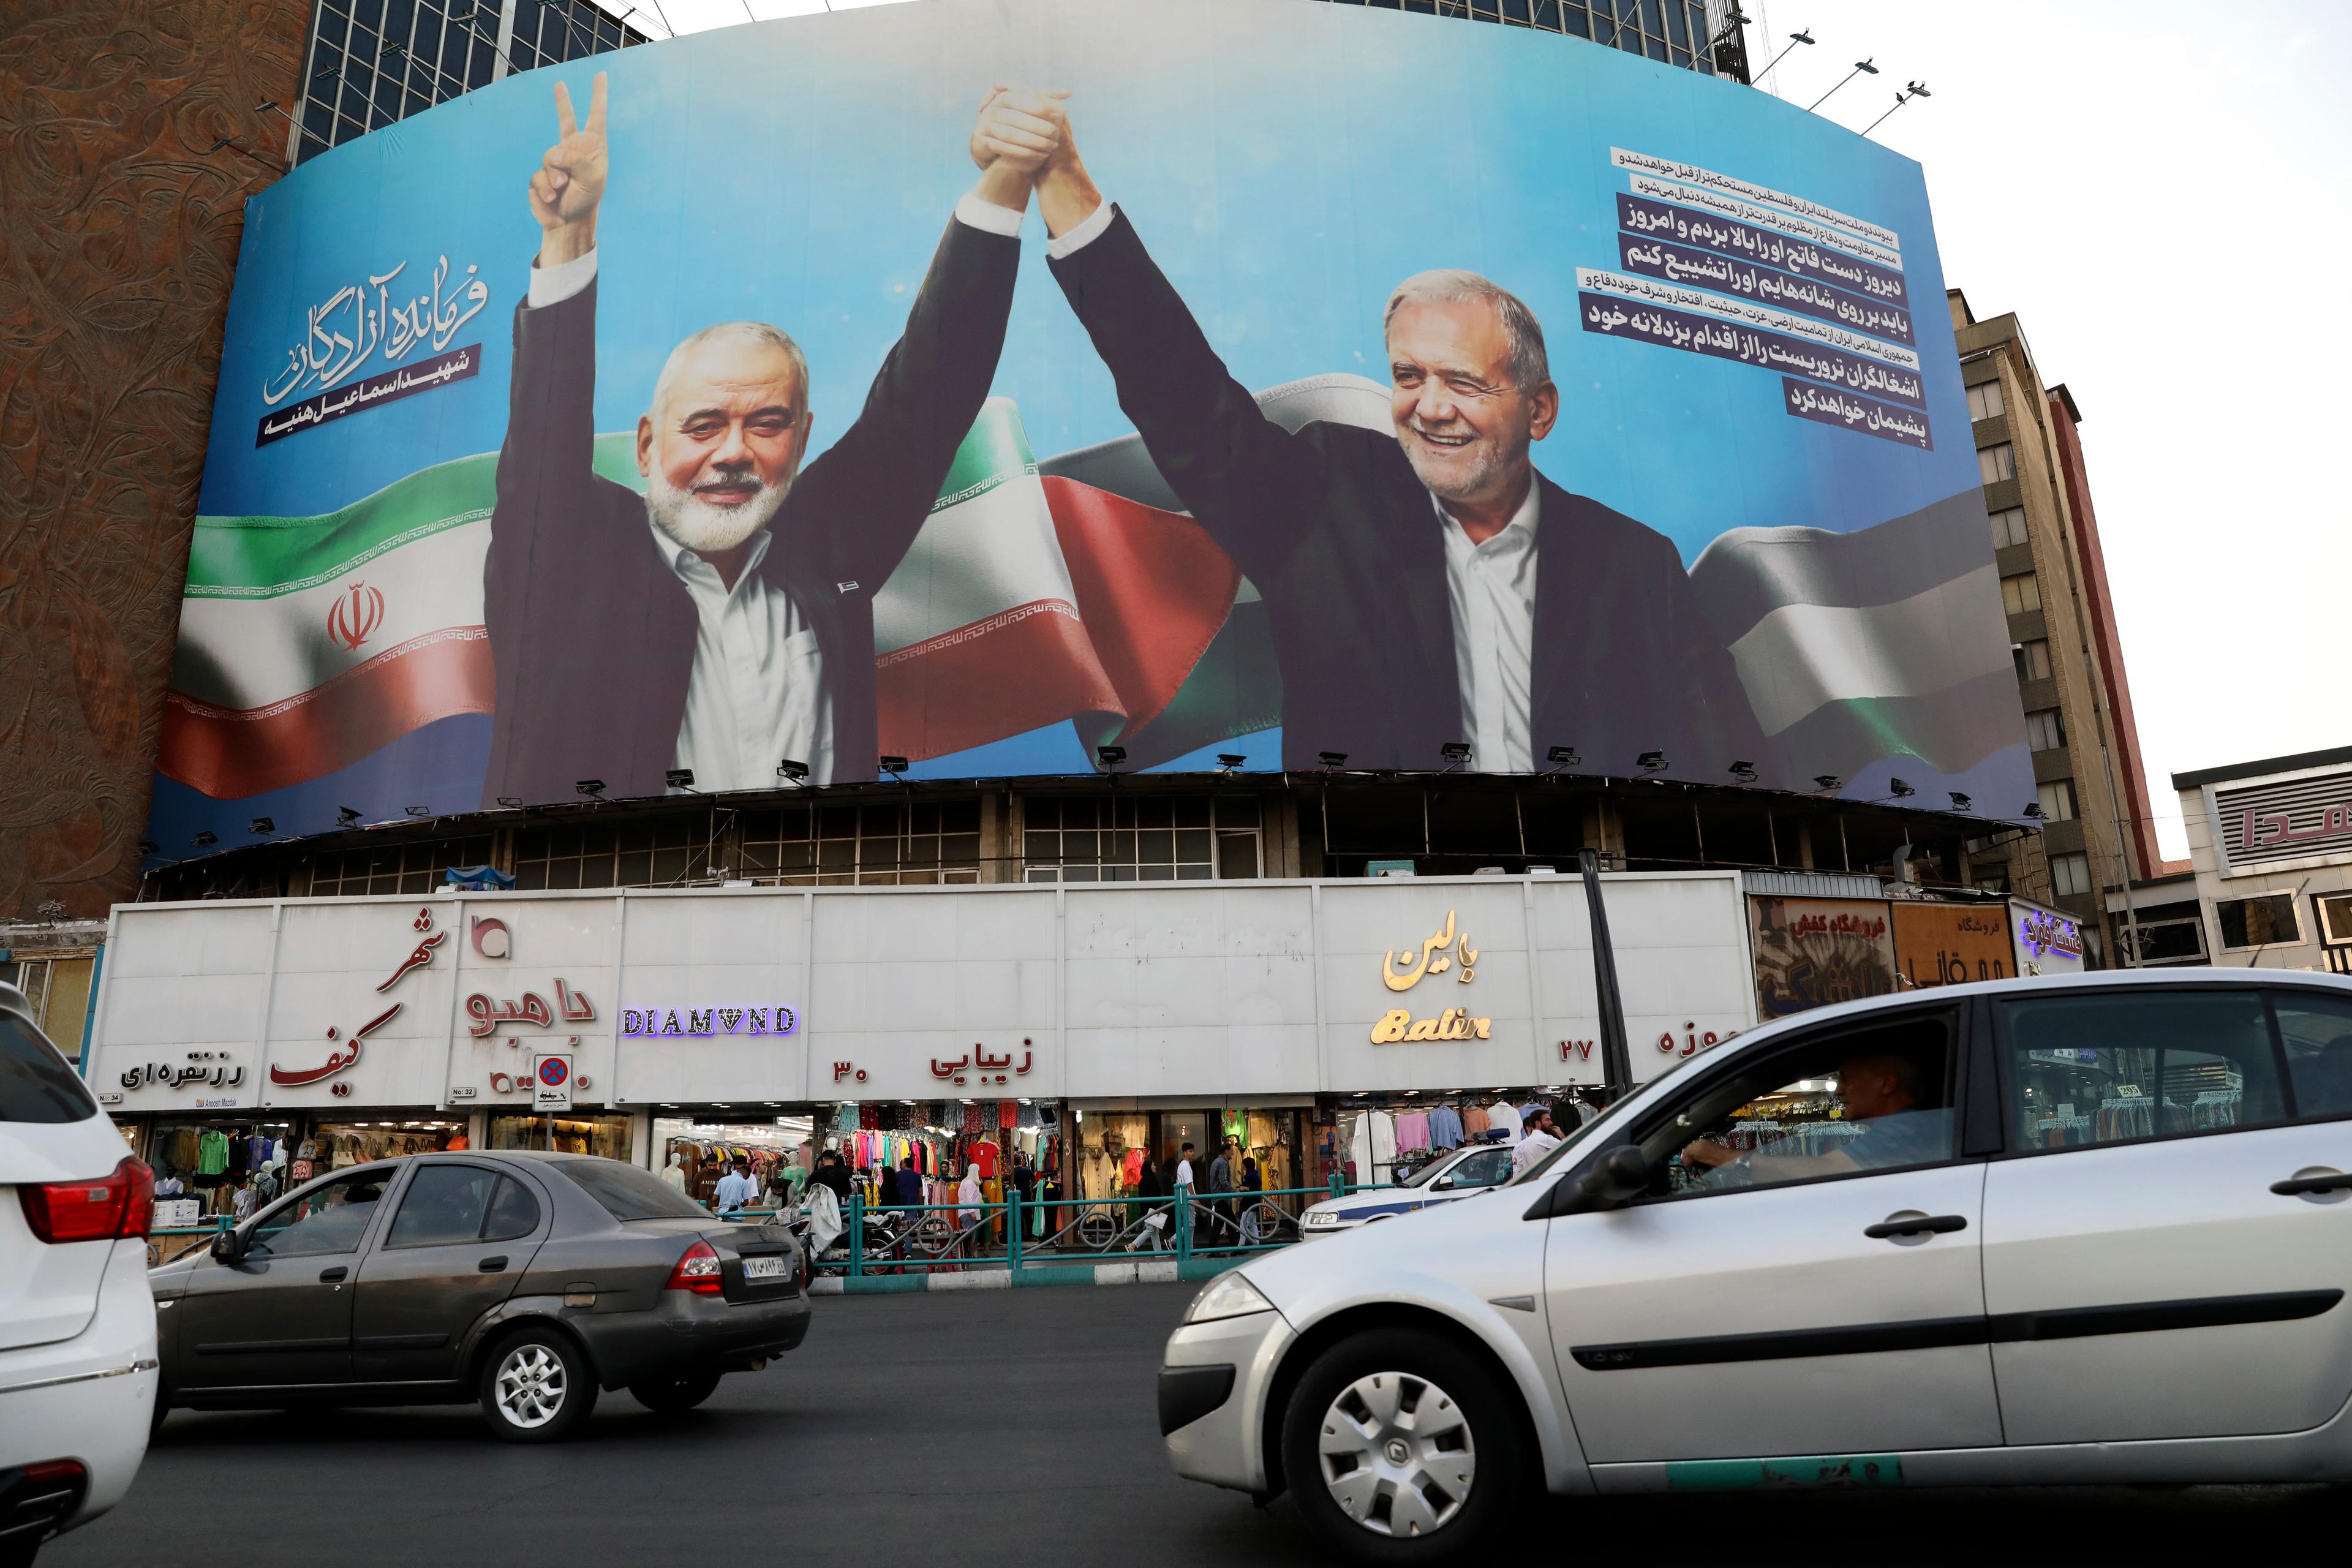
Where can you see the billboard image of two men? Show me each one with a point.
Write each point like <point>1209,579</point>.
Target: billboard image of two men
<point>1615,450</point>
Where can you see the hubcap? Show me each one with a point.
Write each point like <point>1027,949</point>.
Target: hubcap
<point>1397,1454</point>
<point>529,1390</point>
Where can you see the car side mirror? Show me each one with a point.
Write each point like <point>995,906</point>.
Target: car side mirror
<point>228,1247</point>
<point>1442,1185</point>
<point>1613,1178</point>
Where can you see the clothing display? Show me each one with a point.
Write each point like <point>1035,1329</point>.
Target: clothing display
<point>1505,1115</point>
<point>1446,1128</point>
<point>212,1152</point>
<point>1412,1130</point>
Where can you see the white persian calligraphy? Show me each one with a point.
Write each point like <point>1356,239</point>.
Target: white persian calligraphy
<point>344,331</point>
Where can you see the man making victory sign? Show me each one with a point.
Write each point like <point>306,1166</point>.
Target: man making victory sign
<point>723,621</point>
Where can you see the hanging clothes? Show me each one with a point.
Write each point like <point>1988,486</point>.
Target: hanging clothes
<point>1412,1130</point>
<point>1505,1115</point>
<point>1445,1128</point>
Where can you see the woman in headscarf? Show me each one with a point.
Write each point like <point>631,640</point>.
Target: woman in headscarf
<point>967,1204</point>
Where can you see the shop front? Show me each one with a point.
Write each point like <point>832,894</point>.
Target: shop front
<point>1074,1033</point>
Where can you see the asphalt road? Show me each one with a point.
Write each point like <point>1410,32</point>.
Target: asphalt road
<point>990,1427</point>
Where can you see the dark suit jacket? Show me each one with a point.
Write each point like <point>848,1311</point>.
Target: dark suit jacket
<point>593,633</point>
<point>1341,538</point>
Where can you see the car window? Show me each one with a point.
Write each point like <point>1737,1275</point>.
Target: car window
<point>627,1193</point>
<point>2316,1029</point>
<point>330,1218</point>
<point>1486,1168</point>
<point>514,1213</point>
<point>36,1084</point>
<point>444,1204</point>
<point>1876,1097</point>
<point>2106,1066</point>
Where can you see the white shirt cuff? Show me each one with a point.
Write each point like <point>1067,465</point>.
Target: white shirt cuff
<point>981,213</point>
<point>550,285</point>
<point>1081,235</point>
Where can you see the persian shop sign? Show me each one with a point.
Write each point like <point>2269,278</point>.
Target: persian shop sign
<point>2042,935</point>
<point>707,1023</point>
<point>1436,955</point>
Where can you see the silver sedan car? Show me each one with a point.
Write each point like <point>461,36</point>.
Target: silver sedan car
<point>2092,1229</point>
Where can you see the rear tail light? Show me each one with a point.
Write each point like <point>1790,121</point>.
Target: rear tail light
<point>697,1271</point>
<point>118,1205</point>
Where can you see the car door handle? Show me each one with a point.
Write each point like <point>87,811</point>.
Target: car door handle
<point>2327,1182</point>
<point>329,1275</point>
<point>492,1265</point>
<point>1936,1225</point>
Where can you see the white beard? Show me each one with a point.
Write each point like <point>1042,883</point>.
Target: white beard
<point>698,525</point>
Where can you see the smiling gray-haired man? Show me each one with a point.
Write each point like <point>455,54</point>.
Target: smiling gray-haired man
<point>1426,585</point>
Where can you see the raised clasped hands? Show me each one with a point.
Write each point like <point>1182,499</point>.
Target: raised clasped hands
<point>1024,134</point>
<point>570,180</point>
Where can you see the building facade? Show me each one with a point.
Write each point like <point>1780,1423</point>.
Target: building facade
<point>2269,879</point>
<point>2097,831</point>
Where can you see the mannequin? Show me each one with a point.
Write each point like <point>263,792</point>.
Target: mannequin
<point>675,1173</point>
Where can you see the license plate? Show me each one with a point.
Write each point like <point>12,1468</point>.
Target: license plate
<point>766,1267</point>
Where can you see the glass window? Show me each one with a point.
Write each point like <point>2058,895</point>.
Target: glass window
<point>627,1193</point>
<point>2335,919</point>
<point>2109,1067</point>
<point>2033,659</point>
<point>2045,729</point>
<point>1861,1100</point>
<point>1997,463</point>
<point>1985,401</point>
<point>2257,921</point>
<point>444,1204</point>
<point>2069,875</point>
<point>1486,1168</point>
<point>411,868</point>
<point>321,1220</point>
<point>514,1213</point>
<point>1127,838</point>
<point>2178,940</point>
<point>2316,1029</point>
<point>2009,527</point>
<point>2021,592</point>
<point>36,1085</point>
<point>2057,797</point>
<point>916,843</point>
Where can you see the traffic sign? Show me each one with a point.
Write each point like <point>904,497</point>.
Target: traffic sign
<point>550,1081</point>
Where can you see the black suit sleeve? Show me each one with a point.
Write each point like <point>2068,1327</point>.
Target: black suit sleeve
<point>1718,725</point>
<point>1252,484</point>
<point>872,490</point>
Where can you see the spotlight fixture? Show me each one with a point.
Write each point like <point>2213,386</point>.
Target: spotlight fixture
<point>1110,756</point>
<point>793,771</point>
<point>1229,761</point>
<point>592,788</point>
<point>149,846</point>
<point>1745,772</point>
<point>679,778</point>
<point>1562,757</point>
<point>2034,809</point>
<point>416,811</point>
<point>1455,751</point>
<point>261,825</point>
<point>1900,790</point>
<point>894,766</point>
<point>1651,762</point>
<point>207,839</point>
<point>511,802</point>
<point>347,816</point>
<point>1960,801</point>
<point>1332,758</point>
<point>1827,781</point>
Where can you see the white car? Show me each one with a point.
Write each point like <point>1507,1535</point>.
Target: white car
<point>1449,1178</point>
<point>76,1320</point>
<point>2083,1229</point>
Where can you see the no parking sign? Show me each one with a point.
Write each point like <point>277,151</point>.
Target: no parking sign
<point>550,1081</point>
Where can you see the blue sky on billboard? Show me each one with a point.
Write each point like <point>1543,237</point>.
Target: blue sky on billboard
<point>2053,133</point>
<point>1283,220</point>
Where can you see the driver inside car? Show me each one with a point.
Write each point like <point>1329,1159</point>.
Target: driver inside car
<point>1881,1091</point>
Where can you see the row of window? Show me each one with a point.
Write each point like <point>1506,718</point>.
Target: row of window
<point>1985,401</point>
<point>2021,592</point>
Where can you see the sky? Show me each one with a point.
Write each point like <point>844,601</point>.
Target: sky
<point>2070,150</point>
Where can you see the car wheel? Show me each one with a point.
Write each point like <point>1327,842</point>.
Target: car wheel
<point>1402,1448</point>
<point>536,1387</point>
<point>670,1396</point>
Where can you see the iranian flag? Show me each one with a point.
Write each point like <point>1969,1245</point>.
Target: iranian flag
<point>1071,589</point>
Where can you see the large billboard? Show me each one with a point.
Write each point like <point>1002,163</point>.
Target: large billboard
<point>1356,383</point>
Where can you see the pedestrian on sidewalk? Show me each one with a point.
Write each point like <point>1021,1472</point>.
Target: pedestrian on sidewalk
<point>1540,1138</point>
<point>736,1188</point>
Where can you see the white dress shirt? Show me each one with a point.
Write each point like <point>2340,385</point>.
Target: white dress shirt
<point>1531,1148</point>
<point>1492,588</point>
<point>758,692</point>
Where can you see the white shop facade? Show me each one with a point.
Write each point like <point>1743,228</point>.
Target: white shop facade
<point>329,1030</point>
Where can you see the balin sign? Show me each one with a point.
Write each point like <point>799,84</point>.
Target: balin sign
<point>1436,955</point>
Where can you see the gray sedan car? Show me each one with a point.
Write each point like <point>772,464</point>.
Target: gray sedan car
<point>527,1281</point>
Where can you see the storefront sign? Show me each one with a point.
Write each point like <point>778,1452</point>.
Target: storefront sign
<point>704,1022</point>
<point>203,1070</point>
<point>1811,952</point>
<point>1441,951</point>
<point>2044,935</point>
<point>991,1068</point>
<point>1951,944</point>
<point>531,1012</point>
